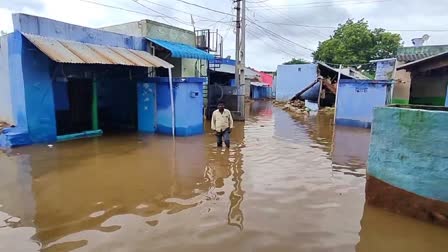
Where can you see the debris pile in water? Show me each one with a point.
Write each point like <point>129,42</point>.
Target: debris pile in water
<point>296,106</point>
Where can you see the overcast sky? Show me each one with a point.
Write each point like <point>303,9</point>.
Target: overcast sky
<point>277,35</point>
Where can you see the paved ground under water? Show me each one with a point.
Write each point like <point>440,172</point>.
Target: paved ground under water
<point>286,184</point>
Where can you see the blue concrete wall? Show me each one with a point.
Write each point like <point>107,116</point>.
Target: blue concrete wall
<point>188,104</point>
<point>261,92</point>
<point>17,136</point>
<point>146,100</point>
<point>292,79</point>
<point>408,150</point>
<point>17,88</point>
<point>256,92</point>
<point>357,99</point>
<point>55,29</point>
<point>40,109</point>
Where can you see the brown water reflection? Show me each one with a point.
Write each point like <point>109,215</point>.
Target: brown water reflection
<point>283,186</point>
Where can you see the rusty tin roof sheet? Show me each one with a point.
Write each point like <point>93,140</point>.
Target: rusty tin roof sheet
<point>66,51</point>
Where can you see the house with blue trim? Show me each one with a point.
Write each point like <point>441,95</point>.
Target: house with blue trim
<point>64,81</point>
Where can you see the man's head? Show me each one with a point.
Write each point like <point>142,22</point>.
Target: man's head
<point>221,106</point>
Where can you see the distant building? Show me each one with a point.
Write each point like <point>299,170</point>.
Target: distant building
<point>429,80</point>
<point>291,79</point>
<point>405,55</point>
<point>222,87</point>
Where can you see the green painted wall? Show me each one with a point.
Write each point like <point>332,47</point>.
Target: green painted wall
<point>400,101</point>
<point>158,30</point>
<point>435,101</point>
<point>408,150</point>
<point>153,29</point>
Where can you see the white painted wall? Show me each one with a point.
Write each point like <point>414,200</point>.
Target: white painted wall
<point>5,86</point>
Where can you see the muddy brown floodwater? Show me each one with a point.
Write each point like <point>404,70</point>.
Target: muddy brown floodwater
<point>286,184</point>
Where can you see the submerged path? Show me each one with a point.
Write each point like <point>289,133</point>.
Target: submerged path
<point>286,184</point>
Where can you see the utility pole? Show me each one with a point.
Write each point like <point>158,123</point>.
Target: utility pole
<point>243,46</point>
<point>240,54</point>
<point>237,42</point>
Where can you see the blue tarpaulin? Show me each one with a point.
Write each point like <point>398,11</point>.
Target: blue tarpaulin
<point>179,50</point>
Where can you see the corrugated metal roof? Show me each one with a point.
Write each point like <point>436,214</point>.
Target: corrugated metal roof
<point>345,71</point>
<point>421,61</point>
<point>409,54</point>
<point>179,50</point>
<point>66,51</point>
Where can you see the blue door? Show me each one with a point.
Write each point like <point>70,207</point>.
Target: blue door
<point>146,100</point>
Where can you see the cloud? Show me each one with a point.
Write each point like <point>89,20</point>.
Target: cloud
<point>20,5</point>
<point>264,50</point>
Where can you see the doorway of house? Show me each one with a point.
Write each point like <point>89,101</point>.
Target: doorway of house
<point>73,106</point>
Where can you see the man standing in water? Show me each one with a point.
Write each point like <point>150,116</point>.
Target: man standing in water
<point>222,124</point>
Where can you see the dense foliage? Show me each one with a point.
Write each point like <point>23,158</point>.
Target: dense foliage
<point>354,43</point>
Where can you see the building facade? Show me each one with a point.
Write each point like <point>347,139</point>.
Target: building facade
<point>429,80</point>
<point>72,81</point>
<point>183,66</point>
<point>406,55</point>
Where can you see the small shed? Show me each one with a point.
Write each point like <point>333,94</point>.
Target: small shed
<point>356,100</point>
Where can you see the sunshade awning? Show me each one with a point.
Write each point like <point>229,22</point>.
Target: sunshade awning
<point>68,51</point>
<point>179,50</point>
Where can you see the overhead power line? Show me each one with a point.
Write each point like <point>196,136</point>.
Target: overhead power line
<point>261,27</point>
<point>119,8</point>
<point>258,35</point>
<point>278,36</point>
<point>300,25</point>
<point>153,16</point>
<point>319,35</point>
<point>320,4</point>
<point>257,2</point>
<point>335,27</point>
<point>186,12</point>
<point>161,13</point>
<point>205,8</point>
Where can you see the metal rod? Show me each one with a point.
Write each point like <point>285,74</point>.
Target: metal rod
<point>172,102</point>
<point>95,124</point>
<point>337,92</point>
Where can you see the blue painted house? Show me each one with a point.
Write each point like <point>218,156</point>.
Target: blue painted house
<point>356,100</point>
<point>72,81</point>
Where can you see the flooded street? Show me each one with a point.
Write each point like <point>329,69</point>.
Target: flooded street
<point>286,184</point>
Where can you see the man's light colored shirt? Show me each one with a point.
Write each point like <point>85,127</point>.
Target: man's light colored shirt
<point>221,122</point>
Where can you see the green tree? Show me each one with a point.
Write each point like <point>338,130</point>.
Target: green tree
<point>353,43</point>
<point>294,61</point>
